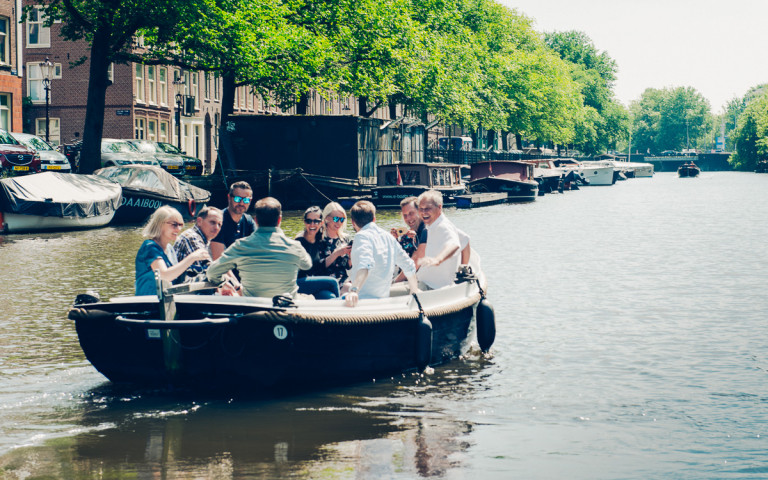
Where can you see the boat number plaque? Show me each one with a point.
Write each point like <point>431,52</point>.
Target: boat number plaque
<point>153,333</point>
<point>281,333</point>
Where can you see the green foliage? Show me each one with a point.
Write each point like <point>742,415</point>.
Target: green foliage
<point>670,119</point>
<point>751,135</point>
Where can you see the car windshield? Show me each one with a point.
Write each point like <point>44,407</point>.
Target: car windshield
<point>147,147</point>
<point>35,143</point>
<point>7,139</point>
<point>168,148</point>
<point>119,147</point>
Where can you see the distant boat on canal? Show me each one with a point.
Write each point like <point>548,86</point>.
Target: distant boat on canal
<point>688,169</point>
<point>56,201</point>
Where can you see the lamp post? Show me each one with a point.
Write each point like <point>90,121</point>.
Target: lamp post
<point>46,68</point>
<point>178,82</point>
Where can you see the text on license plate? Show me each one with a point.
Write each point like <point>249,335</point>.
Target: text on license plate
<point>53,167</point>
<point>21,168</point>
<point>173,167</point>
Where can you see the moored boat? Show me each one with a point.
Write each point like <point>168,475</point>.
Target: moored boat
<point>506,176</point>
<point>400,180</point>
<point>595,174</point>
<point>56,201</point>
<point>148,187</point>
<point>688,169</point>
<point>209,341</point>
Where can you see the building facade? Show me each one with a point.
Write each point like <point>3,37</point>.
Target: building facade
<point>10,71</point>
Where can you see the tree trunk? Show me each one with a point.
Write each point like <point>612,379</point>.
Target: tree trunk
<point>227,96</point>
<point>90,154</point>
<point>519,141</point>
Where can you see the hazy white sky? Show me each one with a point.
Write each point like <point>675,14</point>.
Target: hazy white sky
<point>716,47</point>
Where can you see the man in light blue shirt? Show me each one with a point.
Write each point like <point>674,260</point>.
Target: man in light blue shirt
<point>374,255</point>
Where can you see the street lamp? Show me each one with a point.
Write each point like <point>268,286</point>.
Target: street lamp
<point>46,68</point>
<point>178,82</point>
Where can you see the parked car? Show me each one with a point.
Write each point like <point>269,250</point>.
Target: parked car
<point>119,152</point>
<point>171,163</point>
<point>16,159</point>
<point>192,165</point>
<point>72,152</point>
<point>50,159</point>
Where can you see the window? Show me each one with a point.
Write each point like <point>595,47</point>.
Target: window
<point>163,81</point>
<point>35,89</point>
<point>4,41</point>
<point>163,132</point>
<point>139,134</point>
<point>139,84</point>
<point>151,85</point>
<point>54,136</point>
<point>5,111</point>
<point>216,87</point>
<point>152,130</point>
<point>111,73</point>
<point>196,137</point>
<point>207,87</point>
<point>38,35</point>
<point>194,90</point>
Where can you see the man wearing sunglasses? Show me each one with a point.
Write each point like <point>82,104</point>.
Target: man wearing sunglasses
<point>236,224</point>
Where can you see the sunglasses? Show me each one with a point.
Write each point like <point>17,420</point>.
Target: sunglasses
<point>175,224</point>
<point>339,219</point>
<point>312,220</point>
<point>245,200</point>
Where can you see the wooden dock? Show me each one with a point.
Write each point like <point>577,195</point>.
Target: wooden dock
<point>473,200</point>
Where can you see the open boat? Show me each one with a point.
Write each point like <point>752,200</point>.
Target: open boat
<point>400,180</point>
<point>210,341</point>
<point>507,176</point>
<point>148,187</point>
<point>56,201</point>
<point>689,169</point>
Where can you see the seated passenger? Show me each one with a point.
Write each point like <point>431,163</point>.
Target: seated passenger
<point>267,260</point>
<point>312,281</point>
<point>156,254</point>
<point>375,254</point>
<point>206,227</point>
<point>334,248</point>
<point>442,257</point>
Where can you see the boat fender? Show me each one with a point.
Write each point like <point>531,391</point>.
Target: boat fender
<point>485,321</point>
<point>423,338</point>
<point>192,207</point>
<point>423,342</point>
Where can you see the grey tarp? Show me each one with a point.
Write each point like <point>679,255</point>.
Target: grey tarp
<point>54,194</point>
<point>155,181</point>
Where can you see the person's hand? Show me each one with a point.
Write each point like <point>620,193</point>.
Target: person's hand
<point>393,231</point>
<point>427,262</point>
<point>411,234</point>
<point>200,255</point>
<point>351,299</point>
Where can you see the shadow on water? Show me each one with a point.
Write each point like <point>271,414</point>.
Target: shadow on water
<point>394,427</point>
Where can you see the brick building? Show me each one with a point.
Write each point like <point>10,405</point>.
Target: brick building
<point>10,73</point>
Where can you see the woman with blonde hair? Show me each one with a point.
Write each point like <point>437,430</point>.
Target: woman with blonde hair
<point>334,247</point>
<point>161,231</point>
<point>315,281</point>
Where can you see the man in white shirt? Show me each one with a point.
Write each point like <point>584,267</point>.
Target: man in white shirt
<point>442,256</point>
<point>374,255</point>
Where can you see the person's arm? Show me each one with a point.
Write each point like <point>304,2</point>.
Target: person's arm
<point>219,268</point>
<point>172,273</point>
<point>445,254</point>
<point>465,254</point>
<point>352,296</point>
<point>217,248</point>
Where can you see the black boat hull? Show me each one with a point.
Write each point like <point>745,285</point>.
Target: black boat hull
<point>517,191</point>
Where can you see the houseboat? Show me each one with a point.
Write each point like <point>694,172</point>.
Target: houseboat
<point>400,180</point>
<point>507,176</point>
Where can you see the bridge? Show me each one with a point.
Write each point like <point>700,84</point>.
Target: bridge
<point>710,162</point>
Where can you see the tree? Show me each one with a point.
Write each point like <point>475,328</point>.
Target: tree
<point>751,135</point>
<point>670,119</point>
<point>110,28</point>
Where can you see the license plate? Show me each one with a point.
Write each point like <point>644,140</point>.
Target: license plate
<point>173,167</point>
<point>52,167</point>
<point>24,169</point>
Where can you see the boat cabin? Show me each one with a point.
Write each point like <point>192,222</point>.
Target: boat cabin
<point>430,175</point>
<point>510,169</point>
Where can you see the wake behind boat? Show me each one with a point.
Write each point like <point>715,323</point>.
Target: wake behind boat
<point>246,343</point>
<point>56,201</point>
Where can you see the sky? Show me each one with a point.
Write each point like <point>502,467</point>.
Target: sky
<point>716,47</point>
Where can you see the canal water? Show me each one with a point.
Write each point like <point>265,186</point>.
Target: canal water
<point>631,344</point>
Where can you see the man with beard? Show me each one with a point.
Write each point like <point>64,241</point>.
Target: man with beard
<point>236,223</point>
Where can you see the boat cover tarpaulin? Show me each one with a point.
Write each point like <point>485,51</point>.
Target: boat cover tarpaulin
<point>155,181</point>
<point>54,194</point>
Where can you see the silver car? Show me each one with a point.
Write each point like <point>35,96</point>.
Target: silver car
<point>173,164</point>
<point>50,159</point>
<point>120,152</point>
